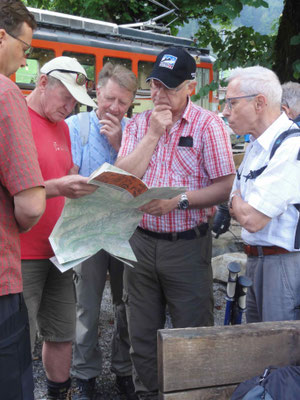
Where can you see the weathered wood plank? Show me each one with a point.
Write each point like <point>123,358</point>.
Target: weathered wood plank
<point>217,393</point>
<point>194,358</point>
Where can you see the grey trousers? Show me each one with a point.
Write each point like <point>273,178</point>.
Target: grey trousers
<point>90,278</point>
<point>275,294</point>
<point>177,274</point>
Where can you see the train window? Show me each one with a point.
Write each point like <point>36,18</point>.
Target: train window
<point>88,61</point>
<point>202,77</point>
<point>38,57</point>
<point>144,70</point>
<point>115,60</point>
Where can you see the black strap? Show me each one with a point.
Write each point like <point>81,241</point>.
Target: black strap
<point>297,235</point>
<point>284,135</point>
<point>289,133</point>
<point>256,173</point>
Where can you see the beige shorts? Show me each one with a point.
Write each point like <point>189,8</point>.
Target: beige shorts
<point>50,299</point>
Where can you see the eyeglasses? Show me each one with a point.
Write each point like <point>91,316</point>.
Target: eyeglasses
<point>81,79</point>
<point>155,86</point>
<point>228,101</point>
<point>28,50</point>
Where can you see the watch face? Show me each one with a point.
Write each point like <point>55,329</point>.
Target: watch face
<point>184,204</point>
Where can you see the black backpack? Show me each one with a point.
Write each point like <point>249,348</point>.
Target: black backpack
<point>275,384</point>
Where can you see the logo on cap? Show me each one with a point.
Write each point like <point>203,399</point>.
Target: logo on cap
<point>168,61</point>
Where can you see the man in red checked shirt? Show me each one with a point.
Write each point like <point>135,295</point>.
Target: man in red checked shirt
<point>175,144</point>
<point>22,201</point>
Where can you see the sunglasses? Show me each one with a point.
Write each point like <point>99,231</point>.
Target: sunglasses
<point>81,79</point>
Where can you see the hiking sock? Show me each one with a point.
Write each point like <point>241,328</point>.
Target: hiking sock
<point>58,390</point>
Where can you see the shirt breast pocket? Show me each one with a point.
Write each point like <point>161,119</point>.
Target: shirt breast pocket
<point>184,161</point>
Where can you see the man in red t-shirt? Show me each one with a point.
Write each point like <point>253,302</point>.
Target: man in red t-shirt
<point>22,201</point>
<point>49,295</point>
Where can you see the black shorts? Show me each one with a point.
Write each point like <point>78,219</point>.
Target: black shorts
<point>16,379</point>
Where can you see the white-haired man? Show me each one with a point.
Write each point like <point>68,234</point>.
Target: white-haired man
<point>49,295</point>
<point>266,194</point>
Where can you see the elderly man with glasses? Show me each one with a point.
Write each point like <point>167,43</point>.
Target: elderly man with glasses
<point>49,295</point>
<point>266,193</point>
<point>175,144</point>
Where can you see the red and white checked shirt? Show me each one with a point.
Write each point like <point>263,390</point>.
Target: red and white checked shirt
<point>19,170</point>
<point>210,157</point>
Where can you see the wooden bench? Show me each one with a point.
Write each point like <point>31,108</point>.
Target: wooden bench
<point>207,363</point>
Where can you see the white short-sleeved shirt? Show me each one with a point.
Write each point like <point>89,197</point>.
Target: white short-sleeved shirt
<point>276,190</point>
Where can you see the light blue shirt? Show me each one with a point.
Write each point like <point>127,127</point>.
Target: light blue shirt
<point>97,149</point>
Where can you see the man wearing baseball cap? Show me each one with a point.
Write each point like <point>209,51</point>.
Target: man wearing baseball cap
<point>49,295</point>
<point>175,144</point>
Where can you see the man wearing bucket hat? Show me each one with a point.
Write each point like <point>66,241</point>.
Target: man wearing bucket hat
<point>49,295</point>
<point>175,144</point>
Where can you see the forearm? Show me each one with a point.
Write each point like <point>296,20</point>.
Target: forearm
<point>214,194</point>
<point>247,216</point>
<point>138,160</point>
<point>71,186</point>
<point>53,188</point>
<point>29,207</point>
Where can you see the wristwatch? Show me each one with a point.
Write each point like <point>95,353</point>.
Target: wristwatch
<point>183,202</point>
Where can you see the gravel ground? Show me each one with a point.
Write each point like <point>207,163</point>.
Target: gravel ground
<point>105,383</point>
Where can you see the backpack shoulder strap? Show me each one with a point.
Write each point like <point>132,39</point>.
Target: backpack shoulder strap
<point>84,126</point>
<point>284,135</point>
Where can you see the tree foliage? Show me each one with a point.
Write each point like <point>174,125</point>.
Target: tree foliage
<point>233,47</point>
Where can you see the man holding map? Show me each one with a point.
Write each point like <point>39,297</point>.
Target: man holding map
<point>175,144</point>
<point>49,295</point>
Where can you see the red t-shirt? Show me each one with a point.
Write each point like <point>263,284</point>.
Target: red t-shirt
<point>54,153</point>
<point>19,170</point>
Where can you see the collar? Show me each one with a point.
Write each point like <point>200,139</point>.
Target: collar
<point>187,114</point>
<point>280,125</point>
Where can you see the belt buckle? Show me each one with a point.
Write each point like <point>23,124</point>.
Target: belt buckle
<point>174,236</point>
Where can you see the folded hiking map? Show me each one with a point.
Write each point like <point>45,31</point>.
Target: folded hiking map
<point>105,219</point>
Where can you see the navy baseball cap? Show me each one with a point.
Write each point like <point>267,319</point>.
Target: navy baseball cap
<point>173,66</point>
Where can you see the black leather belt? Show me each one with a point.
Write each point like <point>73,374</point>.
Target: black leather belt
<point>198,231</point>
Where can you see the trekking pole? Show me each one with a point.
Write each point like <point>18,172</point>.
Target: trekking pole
<point>243,284</point>
<point>233,268</point>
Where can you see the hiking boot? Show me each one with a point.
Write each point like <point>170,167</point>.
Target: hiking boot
<point>125,387</point>
<point>84,389</point>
